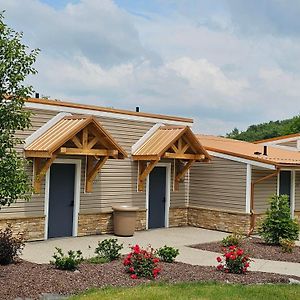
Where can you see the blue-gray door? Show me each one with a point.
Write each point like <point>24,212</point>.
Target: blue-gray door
<point>285,183</point>
<point>157,198</point>
<point>61,200</point>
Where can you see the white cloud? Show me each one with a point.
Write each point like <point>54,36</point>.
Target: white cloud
<point>95,52</point>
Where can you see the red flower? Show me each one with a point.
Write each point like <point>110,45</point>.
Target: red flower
<point>227,255</point>
<point>126,262</point>
<point>240,252</point>
<point>232,257</point>
<point>155,260</point>
<point>232,247</point>
<point>219,259</point>
<point>133,276</point>
<point>131,269</point>
<point>247,265</point>
<point>220,267</point>
<point>136,249</point>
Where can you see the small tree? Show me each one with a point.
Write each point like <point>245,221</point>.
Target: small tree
<point>278,223</point>
<point>15,65</point>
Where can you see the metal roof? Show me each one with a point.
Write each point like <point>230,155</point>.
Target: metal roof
<point>164,137</point>
<point>63,131</point>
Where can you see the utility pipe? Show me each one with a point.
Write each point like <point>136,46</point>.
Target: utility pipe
<point>252,214</point>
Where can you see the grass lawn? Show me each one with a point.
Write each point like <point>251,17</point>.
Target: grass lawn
<point>207,291</point>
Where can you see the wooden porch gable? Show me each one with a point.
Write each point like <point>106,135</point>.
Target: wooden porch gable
<point>170,142</point>
<point>80,136</point>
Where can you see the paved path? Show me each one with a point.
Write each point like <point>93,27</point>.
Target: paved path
<point>41,252</point>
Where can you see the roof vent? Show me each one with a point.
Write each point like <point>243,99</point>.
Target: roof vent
<point>266,150</point>
<point>257,153</point>
<point>37,95</point>
<point>137,109</point>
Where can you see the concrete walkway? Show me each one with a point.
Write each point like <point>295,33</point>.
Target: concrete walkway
<point>41,252</point>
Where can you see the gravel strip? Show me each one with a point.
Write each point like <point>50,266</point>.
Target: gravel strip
<point>30,280</point>
<point>256,248</point>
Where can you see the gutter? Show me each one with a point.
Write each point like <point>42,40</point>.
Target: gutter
<point>252,213</point>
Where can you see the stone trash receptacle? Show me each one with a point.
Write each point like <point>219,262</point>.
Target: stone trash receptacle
<point>124,219</point>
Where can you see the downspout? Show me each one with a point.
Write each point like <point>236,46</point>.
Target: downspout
<point>252,213</point>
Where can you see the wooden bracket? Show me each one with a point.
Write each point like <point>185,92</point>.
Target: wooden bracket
<point>180,173</point>
<point>144,171</point>
<point>40,170</point>
<point>92,171</point>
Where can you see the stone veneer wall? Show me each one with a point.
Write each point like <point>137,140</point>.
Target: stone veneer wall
<point>178,216</point>
<point>33,226</point>
<point>101,223</point>
<point>218,220</point>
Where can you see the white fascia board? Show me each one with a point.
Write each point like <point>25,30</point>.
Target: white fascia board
<point>103,114</point>
<point>284,140</point>
<point>45,127</point>
<point>145,137</point>
<point>288,148</point>
<point>248,187</point>
<point>242,160</point>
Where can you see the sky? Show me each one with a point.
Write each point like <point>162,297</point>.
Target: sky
<point>225,63</point>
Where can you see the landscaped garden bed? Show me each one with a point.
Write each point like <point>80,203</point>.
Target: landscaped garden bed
<point>25,279</point>
<point>257,248</point>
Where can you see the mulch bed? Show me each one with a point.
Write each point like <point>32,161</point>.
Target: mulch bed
<point>256,248</point>
<point>25,279</point>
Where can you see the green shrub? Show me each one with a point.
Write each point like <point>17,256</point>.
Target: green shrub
<point>67,262</point>
<point>278,222</point>
<point>10,246</point>
<point>234,239</point>
<point>109,249</point>
<point>287,245</point>
<point>96,260</point>
<point>167,254</point>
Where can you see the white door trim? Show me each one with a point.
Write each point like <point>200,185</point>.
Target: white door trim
<point>248,188</point>
<point>168,194</point>
<point>77,163</point>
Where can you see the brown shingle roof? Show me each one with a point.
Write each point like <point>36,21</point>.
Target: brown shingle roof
<point>246,150</point>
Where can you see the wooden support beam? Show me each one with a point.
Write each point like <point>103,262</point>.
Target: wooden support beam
<point>92,143</point>
<point>92,152</point>
<point>145,157</point>
<point>182,173</point>
<point>175,149</point>
<point>92,172</point>
<point>85,137</point>
<point>41,154</point>
<point>184,156</point>
<point>40,172</point>
<point>76,141</point>
<point>144,171</point>
<point>184,148</point>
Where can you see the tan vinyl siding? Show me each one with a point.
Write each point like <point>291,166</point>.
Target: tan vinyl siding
<point>297,191</point>
<point>263,190</point>
<point>116,183</point>
<point>220,184</point>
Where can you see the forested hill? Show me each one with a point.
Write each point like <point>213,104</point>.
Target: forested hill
<point>267,130</point>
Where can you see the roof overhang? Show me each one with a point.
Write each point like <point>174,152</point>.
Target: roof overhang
<point>168,142</point>
<point>73,135</point>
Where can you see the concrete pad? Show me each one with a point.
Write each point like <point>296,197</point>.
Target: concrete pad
<point>180,237</point>
<point>42,251</point>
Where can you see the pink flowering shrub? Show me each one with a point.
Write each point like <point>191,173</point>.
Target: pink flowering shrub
<point>234,261</point>
<point>142,263</point>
